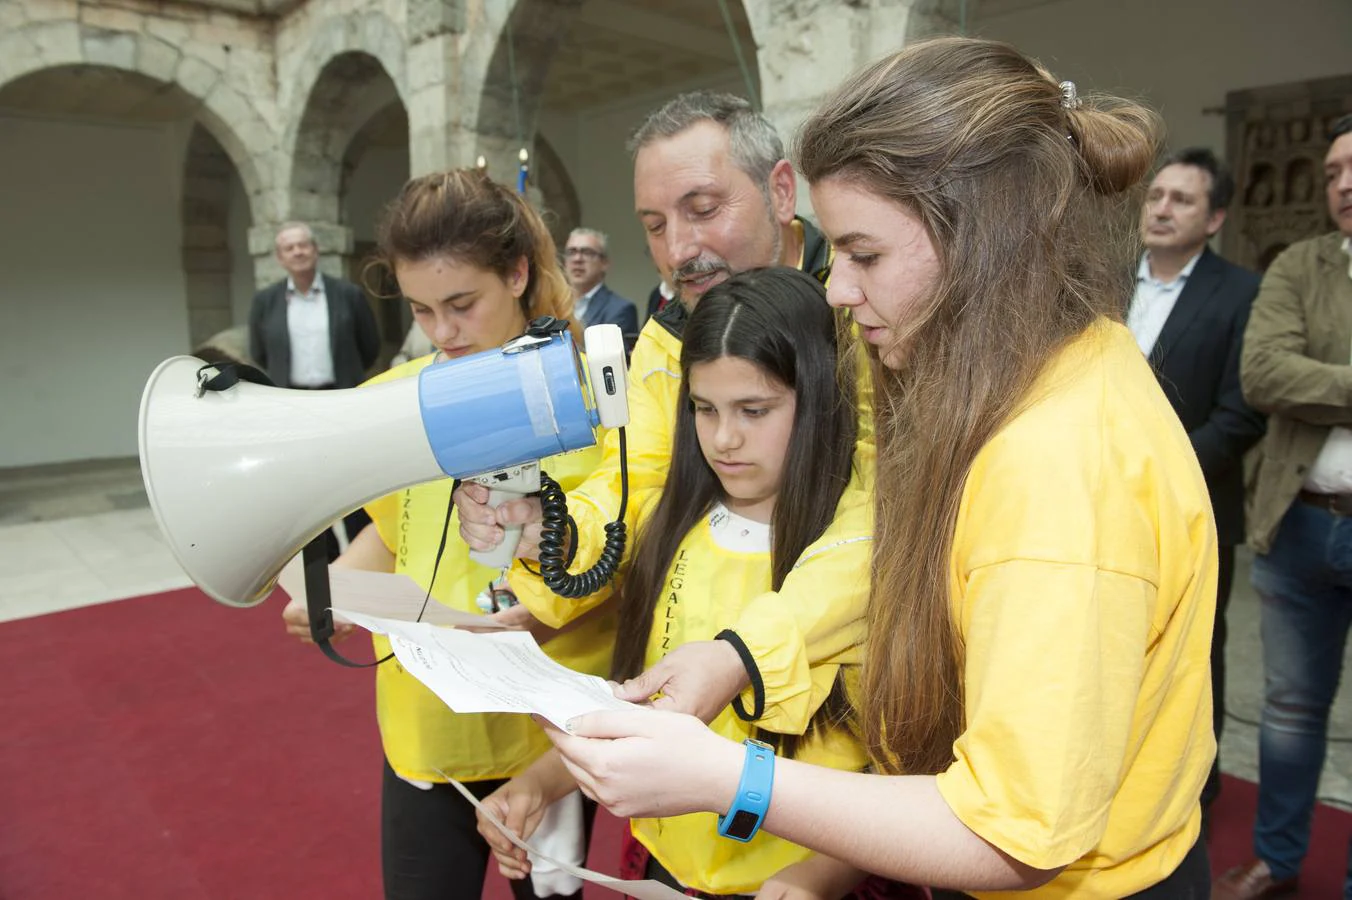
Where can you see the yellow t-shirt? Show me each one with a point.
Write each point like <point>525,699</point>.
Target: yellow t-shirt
<point>420,734</point>
<point>1084,586</point>
<point>721,566</point>
<point>788,632</point>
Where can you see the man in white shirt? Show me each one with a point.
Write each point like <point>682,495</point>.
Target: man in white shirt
<point>1188,316</point>
<point>586,259</point>
<point>1297,367</point>
<point>310,330</point>
<point>313,332</point>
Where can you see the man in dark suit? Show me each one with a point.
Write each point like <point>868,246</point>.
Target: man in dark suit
<point>1188,315</point>
<point>586,261</point>
<point>309,330</point>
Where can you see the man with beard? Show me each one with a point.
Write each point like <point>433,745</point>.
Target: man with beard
<point>715,196</point>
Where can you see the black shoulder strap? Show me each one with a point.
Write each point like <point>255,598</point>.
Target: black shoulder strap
<point>318,603</point>
<point>228,375</point>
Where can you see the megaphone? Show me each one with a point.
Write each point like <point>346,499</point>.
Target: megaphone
<point>241,479</point>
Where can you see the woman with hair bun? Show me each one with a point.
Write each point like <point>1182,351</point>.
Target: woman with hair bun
<point>1035,694</point>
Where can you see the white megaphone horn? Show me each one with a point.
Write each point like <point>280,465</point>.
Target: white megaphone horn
<point>241,479</point>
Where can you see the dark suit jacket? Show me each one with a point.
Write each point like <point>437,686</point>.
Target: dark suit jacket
<point>354,338</point>
<point>1197,362</point>
<point>609,308</point>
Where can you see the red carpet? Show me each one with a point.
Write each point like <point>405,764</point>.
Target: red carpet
<point>1231,844</point>
<point>169,747</point>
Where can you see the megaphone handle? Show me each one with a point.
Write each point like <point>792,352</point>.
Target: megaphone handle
<point>501,556</point>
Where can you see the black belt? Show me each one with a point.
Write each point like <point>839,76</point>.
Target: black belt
<point>1338,504</point>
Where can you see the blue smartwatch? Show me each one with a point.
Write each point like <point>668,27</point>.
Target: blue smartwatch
<point>748,808</point>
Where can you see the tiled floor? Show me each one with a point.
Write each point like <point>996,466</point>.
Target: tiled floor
<point>78,534</point>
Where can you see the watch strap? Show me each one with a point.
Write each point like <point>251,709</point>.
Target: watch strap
<point>744,817</point>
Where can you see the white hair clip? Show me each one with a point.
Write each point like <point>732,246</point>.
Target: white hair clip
<point>1070,97</point>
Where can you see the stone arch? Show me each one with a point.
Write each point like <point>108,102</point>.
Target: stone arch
<point>370,33</point>
<point>379,128</point>
<point>205,208</point>
<point>216,104</point>
<point>367,46</point>
<point>351,88</point>
<point>524,45</point>
<point>562,207</point>
<point>371,178</point>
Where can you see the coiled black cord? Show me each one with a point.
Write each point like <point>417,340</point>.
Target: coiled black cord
<point>553,538</point>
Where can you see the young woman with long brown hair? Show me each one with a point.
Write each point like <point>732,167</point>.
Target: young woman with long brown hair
<point>1035,695</point>
<point>475,263</point>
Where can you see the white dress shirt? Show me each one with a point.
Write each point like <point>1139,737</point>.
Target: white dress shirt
<point>307,324</point>
<point>1332,469</point>
<point>584,302</point>
<point>1153,301</point>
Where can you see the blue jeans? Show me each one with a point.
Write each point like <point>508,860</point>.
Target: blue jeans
<point>1347,885</point>
<point>1305,582</point>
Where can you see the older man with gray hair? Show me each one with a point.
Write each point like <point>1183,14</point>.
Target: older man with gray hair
<point>311,330</point>
<point>714,196</point>
<point>586,259</point>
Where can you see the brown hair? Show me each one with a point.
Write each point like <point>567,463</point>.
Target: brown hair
<point>469,217</point>
<point>1022,196</point>
<point>777,320</point>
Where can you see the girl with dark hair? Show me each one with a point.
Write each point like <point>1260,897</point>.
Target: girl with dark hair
<point>764,448</point>
<point>475,263</point>
<point>1035,694</point>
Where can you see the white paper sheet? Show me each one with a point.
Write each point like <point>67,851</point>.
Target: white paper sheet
<point>643,890</point>
<point>502,671</point>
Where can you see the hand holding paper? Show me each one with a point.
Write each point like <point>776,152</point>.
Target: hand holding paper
<point>496,672</point>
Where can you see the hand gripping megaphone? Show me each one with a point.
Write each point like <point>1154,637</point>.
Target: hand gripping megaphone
<point>241,479</point>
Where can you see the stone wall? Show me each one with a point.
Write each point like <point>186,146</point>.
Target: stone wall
<point>283,93</point>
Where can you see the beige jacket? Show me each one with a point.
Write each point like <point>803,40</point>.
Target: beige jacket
<point>1297,368</point>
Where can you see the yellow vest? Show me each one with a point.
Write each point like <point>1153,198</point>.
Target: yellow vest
<point>420,734</point>
<point>818,614</point>
<point>723,563</point>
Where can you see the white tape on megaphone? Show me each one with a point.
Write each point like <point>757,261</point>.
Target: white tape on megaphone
<point>241,479</point>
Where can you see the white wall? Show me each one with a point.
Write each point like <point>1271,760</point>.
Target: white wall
<point>591,146</point>
<point>91,283</point>
<point>1182,57</point>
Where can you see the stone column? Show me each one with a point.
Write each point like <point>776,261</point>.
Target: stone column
<point>438,134</point>
<point>206,250</point>
<point>437,137</point>
<point>806,48</point>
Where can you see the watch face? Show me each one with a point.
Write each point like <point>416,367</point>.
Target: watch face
<point>742,826</point>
